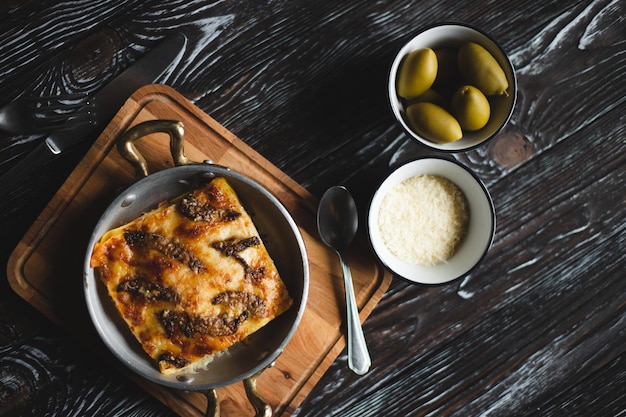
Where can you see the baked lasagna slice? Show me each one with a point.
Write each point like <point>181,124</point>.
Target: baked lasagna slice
<point>191,278</point>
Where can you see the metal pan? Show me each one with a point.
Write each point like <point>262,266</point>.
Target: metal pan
<point>243,361</point>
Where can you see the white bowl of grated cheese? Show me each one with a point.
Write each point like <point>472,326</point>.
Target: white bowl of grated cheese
<point>431,221</point>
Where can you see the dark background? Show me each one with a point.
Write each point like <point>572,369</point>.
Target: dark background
<point>538,329</point>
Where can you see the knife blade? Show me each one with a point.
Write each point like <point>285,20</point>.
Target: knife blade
<point>105,103</point>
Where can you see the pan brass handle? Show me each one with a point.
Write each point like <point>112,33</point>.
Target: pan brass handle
<point>261,407</point>
<point>126,144</point>
<point>213,403</point>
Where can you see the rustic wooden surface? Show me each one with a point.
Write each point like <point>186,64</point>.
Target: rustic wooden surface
<point>538,329</point>
<point>40,273</point>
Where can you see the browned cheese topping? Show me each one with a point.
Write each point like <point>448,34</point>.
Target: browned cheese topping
<point>191,278</point>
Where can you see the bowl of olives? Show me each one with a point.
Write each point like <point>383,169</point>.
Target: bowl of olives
<point>452,87</point>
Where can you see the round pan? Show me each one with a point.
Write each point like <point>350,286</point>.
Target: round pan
<point>280,235</point>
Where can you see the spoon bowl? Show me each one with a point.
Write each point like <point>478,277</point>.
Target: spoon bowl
<point>337,218</point>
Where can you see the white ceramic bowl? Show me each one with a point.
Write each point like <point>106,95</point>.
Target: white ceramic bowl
<point>454,35</point>
<point>480,231</point>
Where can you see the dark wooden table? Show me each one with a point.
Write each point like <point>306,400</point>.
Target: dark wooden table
<point>538,329</point>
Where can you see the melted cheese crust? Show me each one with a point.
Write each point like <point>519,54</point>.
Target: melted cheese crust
<point>191,278</point>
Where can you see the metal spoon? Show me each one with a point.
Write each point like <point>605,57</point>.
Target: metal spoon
<point>337,222</point>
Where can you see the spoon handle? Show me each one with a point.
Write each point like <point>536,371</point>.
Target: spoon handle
<point>358,356</point>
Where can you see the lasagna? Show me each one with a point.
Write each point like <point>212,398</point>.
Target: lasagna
<point>191,277</point>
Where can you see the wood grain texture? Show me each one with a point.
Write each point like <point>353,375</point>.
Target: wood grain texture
<point>537,329</point>
<point>45,268</point>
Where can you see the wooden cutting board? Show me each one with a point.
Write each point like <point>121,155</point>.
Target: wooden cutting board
<point>46,266</point>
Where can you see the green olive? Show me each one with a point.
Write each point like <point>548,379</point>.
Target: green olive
<point>481,69</point>
<point>433,122</point>
<point>470,107</point>
<point>417,73</point>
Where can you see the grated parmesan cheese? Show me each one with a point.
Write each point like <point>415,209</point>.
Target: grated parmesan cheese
<point>423,219</point>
